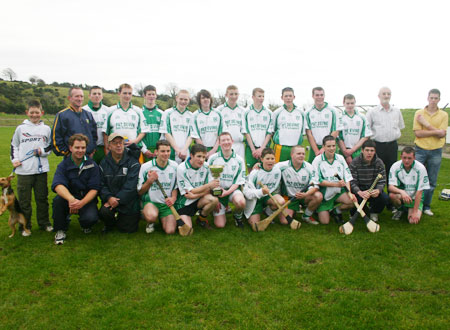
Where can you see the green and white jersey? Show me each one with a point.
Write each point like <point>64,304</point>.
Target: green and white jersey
<point>129,122</point>
<point>233,171</point>
<point>100,116</point>
<point>292,180</point>
<point>177,124</point>
<point>410,181</point>
<point>206,126</point>
<point>325,171</point>
<point>354,128</point>
<point>233,120</point>
<point>288,127</point>
<point>322,122</point>
<point>271,179</point>
<point>152,121</point>
<point>166,175</point>
<point>257,124</point>
<point>189,178</point>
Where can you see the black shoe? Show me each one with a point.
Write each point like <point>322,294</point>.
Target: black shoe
<point>238,222</point>
<point>106,230</point>
<point>337,217</point>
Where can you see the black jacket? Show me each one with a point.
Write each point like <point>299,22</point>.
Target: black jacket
<point>120,180</point>
<point>364,174</point>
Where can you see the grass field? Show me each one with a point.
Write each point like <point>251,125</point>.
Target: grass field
<point>230,278</point>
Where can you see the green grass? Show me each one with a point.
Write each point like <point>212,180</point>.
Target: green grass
<point>230,278</point>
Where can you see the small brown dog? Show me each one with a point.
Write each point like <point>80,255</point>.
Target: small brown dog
<point>9,202</point>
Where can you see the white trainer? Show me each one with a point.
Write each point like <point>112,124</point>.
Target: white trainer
<point>428,212</point>
<point>374,217</point>
<point>60,237</point>
<point>49,228</point>
<point>150,228</point>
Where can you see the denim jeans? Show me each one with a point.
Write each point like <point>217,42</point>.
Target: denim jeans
<point>431,159</point>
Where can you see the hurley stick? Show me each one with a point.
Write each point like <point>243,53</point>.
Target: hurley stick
<point>183,228</point>
<point>263,224</point>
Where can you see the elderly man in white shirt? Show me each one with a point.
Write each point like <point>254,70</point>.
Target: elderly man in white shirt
<point>385,122</point>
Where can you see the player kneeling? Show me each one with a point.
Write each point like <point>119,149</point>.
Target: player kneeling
<point>163,170</point>
<point>232,179</point>
<point>296,176</point>
<point>261,183</point>
<point>192,180</point>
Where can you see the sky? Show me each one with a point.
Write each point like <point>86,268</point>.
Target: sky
<point>344,46</point>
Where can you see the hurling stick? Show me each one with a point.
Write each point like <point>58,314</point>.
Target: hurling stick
<point>263,224</point>
<point>294,224</point>
<point>361,206</point>
<point>183,228</point>
<point>372,226</point>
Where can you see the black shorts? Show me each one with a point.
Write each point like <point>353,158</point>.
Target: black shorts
<point>189,210</point>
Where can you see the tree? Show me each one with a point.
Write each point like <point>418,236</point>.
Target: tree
<point>33,79</point>
<point>9,73</point>
<point>139,89</point>
<point>40,82</point>
<point>172,90</point>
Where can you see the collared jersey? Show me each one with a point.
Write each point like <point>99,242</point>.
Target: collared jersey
<point>177,124</point>
<point>152,121</point>
<point>233,120</point>
<point>100,116</point>
<point>257,124</point>
<point>322,122</point>
<point>288,127</point>
<point>354,128</point>
<point>271,179</point>
<point>129,122</point>
<point>325,171</point>
<point>189,178</point>
<point>410,181</point>
<point>385,124</point>
<point>206,126</point>
<point>167,176</point>
<point>233,171</point>
<point>294,180</point>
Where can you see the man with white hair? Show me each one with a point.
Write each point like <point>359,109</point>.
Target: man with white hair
<point>385,122</point>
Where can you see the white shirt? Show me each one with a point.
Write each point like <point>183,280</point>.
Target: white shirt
<point>322,122</point>
<point>325,171</point>
<point>189,178</point>
<point>233,121</point>
<point>129,122</point>
<point>177,124</point>
<point>167,176</point>
<point>288,127</point>
<point>233,170</point>
<point>295,180</point>
<point>411,181</point>
<point>100,117</point>
<point>257,124</point>
<point>206,126</point>
<point>385,124</point>
<point>354,128</point>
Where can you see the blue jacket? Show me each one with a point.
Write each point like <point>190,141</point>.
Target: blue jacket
<point>120,180</point>
<point>69,122</point>
<point>78,180</point>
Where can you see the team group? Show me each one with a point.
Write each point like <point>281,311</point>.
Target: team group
<point>144,162</point>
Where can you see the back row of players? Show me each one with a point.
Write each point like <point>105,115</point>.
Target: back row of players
<point>257,126</point>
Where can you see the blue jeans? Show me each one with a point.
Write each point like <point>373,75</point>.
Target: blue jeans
<point>431,159</point>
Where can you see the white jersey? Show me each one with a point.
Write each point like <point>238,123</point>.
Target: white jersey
<point>28,137</point>
<point>322,122</point>
<point>167,176</point>
<point>233,120</point>
<point>233,171</point>
<point>325,171</point>
<point>354,128</point>
<point>288,127</point>
<point>410,181</point>
<point>177,124</point>
<point>100,116</point>
<point>206,126</point>
<point>257,124</point>
<point>129,122</point>
<point>189,178</point>
<point>253,191</point>
<point>292,180</point>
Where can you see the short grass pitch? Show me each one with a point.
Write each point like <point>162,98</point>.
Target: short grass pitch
<point>230,278</point>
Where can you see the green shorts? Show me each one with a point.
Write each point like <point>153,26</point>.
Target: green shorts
<point>250,161</point>
<point>163,209</point>
<point>282,153</point>
<point>328,205</point>
<point>99,154</point>
<point>312,155</point>
<point>411,205</point>
<point>260,205</point>
<point>145,158</point>
<point>295,204</point>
